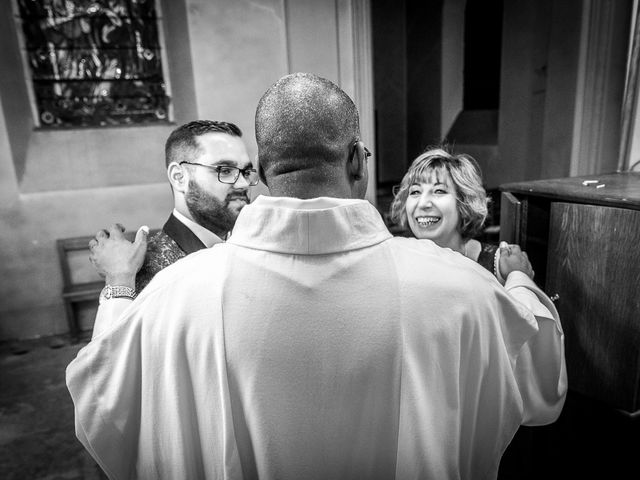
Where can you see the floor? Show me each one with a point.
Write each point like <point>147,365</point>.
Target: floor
<point>37,439</point>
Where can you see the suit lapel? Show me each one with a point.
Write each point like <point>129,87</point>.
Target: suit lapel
<point>185,238</point>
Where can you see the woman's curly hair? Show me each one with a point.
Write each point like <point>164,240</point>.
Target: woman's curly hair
<point>466,178</point>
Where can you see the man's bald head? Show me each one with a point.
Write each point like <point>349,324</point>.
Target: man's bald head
<point>304,123</point>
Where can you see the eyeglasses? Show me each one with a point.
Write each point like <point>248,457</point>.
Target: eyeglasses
<point>367,153</point>
<point>229,174</point>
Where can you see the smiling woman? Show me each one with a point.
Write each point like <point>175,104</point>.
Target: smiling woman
<point>441,198</point>
<point>431,209</point>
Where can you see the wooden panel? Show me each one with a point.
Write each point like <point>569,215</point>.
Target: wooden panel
<point>534,237</point>
<point>510,215</point>
<point>524,220</point>
<point>594,266</point>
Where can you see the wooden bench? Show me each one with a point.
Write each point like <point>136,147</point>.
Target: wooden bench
<point>81,281</point>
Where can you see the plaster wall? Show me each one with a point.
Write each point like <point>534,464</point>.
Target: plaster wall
<point>17,102</point>
<point>633,161</point>
<point>424,75</point>
<point>540,54</point>
<point>452,63</point>
<point>30,278</point>
<point>390,63</point>
<point>522,89</point>
<point>221,56</point>
<point>563,69</point>
<point>238,49</point>
<point>562,81</point>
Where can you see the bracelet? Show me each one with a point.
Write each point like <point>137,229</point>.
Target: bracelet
<point>117,291</point>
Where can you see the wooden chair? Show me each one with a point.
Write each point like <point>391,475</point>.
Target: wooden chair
<point>81,282</point>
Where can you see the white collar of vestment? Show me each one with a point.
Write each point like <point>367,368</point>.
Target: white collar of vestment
<point>308,227</point>
<point>206,236</point>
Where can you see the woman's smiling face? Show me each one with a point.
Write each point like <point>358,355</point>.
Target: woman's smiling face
<point>432,210</point>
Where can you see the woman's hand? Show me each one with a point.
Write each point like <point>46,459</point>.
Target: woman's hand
<point>512,258</point>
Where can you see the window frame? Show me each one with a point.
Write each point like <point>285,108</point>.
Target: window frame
<point>29,79</point>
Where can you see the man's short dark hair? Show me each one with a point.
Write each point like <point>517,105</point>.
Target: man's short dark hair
<point>182,144</point>
<point>304,122</point>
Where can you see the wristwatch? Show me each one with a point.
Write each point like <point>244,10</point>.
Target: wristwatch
<point>116,291</point>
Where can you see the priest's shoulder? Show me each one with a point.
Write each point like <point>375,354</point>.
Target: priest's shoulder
<point>196,267</point>
<point>420,258</point>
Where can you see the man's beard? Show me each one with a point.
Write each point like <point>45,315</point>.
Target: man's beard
<point>210,212</point>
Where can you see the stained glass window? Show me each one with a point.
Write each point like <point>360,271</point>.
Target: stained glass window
<point>94,63</point>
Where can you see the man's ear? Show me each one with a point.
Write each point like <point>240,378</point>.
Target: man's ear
<point>357,163</point>
<point>263,179</point>
<point>178,177</point>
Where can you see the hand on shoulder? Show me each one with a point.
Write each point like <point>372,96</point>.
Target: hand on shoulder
<point>116,258</point>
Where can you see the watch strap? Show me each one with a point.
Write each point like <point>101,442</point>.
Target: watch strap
<point>117,291</point>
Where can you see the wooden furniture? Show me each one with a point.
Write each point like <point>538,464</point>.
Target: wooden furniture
<point>582,235</point>
<point>79,283</point>
<point>583,240</point>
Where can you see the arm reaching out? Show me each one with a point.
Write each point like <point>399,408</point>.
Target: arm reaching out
<point>117,260</point>
<point>540,368</point>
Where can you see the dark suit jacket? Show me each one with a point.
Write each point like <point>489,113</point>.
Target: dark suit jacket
<point>167,246</point>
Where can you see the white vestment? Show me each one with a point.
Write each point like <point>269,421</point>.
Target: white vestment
<point>312,344</point>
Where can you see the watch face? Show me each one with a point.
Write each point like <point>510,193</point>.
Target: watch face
<point>108,292</point>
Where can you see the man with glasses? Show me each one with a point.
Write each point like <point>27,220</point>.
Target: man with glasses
<point>210,173</point>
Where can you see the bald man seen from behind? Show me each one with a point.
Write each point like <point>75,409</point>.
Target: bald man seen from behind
<point>312,344</point>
